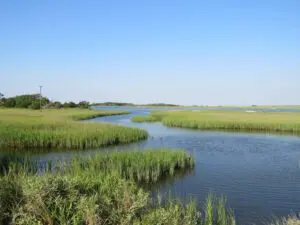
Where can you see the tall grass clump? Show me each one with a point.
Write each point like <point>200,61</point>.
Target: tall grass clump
<point>291,220</point>
<point>96,194</point>
<point>141,166</point>
<point>12,162</point>
<point>55,129</point>
<point>217,212</point>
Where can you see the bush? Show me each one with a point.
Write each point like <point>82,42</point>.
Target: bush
<point>9,102</point>
<point>69,105</point>
<point>83,105</point>
<point>57,105</point>
<point>35,105</point>
<point>24,101</point>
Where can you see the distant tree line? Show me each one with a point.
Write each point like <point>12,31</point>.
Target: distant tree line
<point>131,104</point>
<point>162,104</point>
<point>113,104</point>
<point>32,101</point>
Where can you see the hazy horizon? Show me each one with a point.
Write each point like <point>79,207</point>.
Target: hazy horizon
<point>185,53</point>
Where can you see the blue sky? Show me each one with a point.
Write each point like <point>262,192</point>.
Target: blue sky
<point>184,52</point>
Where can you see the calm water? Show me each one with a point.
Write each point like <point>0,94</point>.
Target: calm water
<point>259,173</point>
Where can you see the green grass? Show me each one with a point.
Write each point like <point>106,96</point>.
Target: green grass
<point>145,167</point>
<point>94,190</point>
<point>144,119</point>
<point>230,120</point>
<point>155,116</point>
<point>254,107</point>
<point>56,129</point>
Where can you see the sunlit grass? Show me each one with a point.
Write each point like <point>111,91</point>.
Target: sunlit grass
<point>229,120</point>
<point>140,166</point>
<point>56,129</point>
<point>97,190</point>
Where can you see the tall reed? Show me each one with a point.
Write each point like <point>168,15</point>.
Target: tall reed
<point>56,129</point>
<point>95,193</point>
<point>141,166</point>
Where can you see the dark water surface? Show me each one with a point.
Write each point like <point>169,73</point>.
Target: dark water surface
<point>259,173</point>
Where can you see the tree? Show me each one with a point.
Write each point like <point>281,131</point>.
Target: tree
<point>35,105</point>
<point>25,101</point>
<point>83,104</point>
<point>70,105</point>
<point>2,100</point>
<point>57,105</point>
<point>10,103</point>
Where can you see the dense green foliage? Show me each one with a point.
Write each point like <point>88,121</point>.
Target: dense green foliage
<point>112,104</point>
<point>92,195</point>
<point>24,101</point>
<point>227,120</point>
<point>55,129</point>
<point>33,102</point>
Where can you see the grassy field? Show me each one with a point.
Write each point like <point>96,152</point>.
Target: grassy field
<point>227,120</point>
<point>212,107</point>
<point>94,191</point>
<point>246,107</point>
<point>56,129</point>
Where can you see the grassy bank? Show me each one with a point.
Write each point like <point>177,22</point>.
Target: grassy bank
<point>227,120</point>
<point>56,129</point>
<point>95,191</point>
<point>253,107</point>
<point>146,167</point>
<point>155,116</point>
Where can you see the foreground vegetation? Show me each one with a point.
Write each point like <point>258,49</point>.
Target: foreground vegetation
<point>56,129</point>
<point>226,120</point>
<point>95,190</point>
<point>104,189</point>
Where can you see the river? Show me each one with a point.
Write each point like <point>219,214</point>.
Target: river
<point>259,173</point>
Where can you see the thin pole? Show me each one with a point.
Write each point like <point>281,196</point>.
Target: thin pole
<point>41,96</point>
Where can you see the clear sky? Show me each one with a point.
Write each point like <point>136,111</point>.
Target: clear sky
<point>221,52</point>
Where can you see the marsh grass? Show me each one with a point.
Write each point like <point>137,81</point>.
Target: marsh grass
<point>94,191</point>
<point>141,166</point>
<point>155,116</point>
<point>56,129</point>
<point>290,220</point>
<point>286,122</point>
<point>14,162</point>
